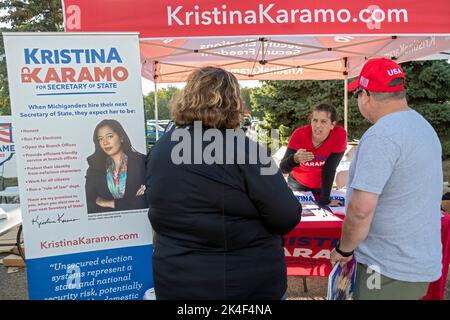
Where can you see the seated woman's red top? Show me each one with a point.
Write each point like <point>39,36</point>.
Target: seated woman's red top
<point>309,173</point>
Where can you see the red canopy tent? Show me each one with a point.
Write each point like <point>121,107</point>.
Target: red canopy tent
<point>268,39</point>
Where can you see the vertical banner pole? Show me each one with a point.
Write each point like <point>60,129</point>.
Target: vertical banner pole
<point>345,104</point>
<point>156,107</point>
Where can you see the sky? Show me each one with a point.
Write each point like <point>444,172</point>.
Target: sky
<point>3,12</point>
<point>148,86</point>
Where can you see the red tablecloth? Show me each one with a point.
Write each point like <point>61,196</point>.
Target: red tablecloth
<point>437,288</point>
<point>308,248</point>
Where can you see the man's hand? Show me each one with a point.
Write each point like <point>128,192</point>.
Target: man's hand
<point>335,257</point>
<point>104,203</point>
<point>303,156</point>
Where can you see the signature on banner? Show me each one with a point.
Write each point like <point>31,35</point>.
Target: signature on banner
<point>47,221</point>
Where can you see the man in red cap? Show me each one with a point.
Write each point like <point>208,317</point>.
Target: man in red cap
<point>392,222</point>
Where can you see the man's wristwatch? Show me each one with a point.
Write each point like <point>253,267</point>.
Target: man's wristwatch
<point>342,253</point>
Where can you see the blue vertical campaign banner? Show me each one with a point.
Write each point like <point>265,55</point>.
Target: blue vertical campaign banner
<point>78,117</point>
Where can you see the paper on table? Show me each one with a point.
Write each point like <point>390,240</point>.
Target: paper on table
<point>304,196</point>
<point>312,212</point>
<point>338,210</point>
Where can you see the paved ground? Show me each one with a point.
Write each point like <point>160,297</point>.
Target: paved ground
<point>13,286</point>
<point>317,288</point>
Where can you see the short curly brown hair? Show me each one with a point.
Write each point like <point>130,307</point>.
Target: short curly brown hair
<point>211,95</point>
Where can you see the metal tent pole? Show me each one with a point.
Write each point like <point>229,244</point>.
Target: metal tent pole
<point>156,109</point>
<point>345,104</point>
<point>346,95</point>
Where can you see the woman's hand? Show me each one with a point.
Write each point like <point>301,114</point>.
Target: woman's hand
<point>141,191</point>
<point>303,156</point>
<point>104,203</point>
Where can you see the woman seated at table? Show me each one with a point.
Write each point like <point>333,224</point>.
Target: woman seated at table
<point>314,152</point>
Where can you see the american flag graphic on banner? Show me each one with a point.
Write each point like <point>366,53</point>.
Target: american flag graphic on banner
<point>5,132</point>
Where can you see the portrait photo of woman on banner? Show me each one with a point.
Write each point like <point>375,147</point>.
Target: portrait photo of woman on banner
<point>116,173</point>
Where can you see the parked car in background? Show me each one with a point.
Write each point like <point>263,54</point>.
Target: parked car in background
<point>254,125</point>
<point>246,123</point>
<point>161,122</point>
<point>151,132</point>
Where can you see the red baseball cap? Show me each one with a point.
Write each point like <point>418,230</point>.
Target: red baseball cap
<point>377,74</point>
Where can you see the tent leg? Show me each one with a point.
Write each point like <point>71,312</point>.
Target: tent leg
<point>156,109</point>
<point>345,105</point>
<point>305,286</point>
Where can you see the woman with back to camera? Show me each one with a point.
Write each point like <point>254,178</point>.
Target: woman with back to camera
<point>314,152</point>
<point>115,179</point>
<point>218,226</point>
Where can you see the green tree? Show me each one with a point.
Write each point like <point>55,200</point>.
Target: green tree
<point>27,15</point>
<point>246,94</point>
<point>428,84</point>
<point>4,89</point>
<point>286,104</point>
<point>33,15</point>
<point>164,97</point>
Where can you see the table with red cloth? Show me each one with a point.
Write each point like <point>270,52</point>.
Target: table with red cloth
<point>308,247</point>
